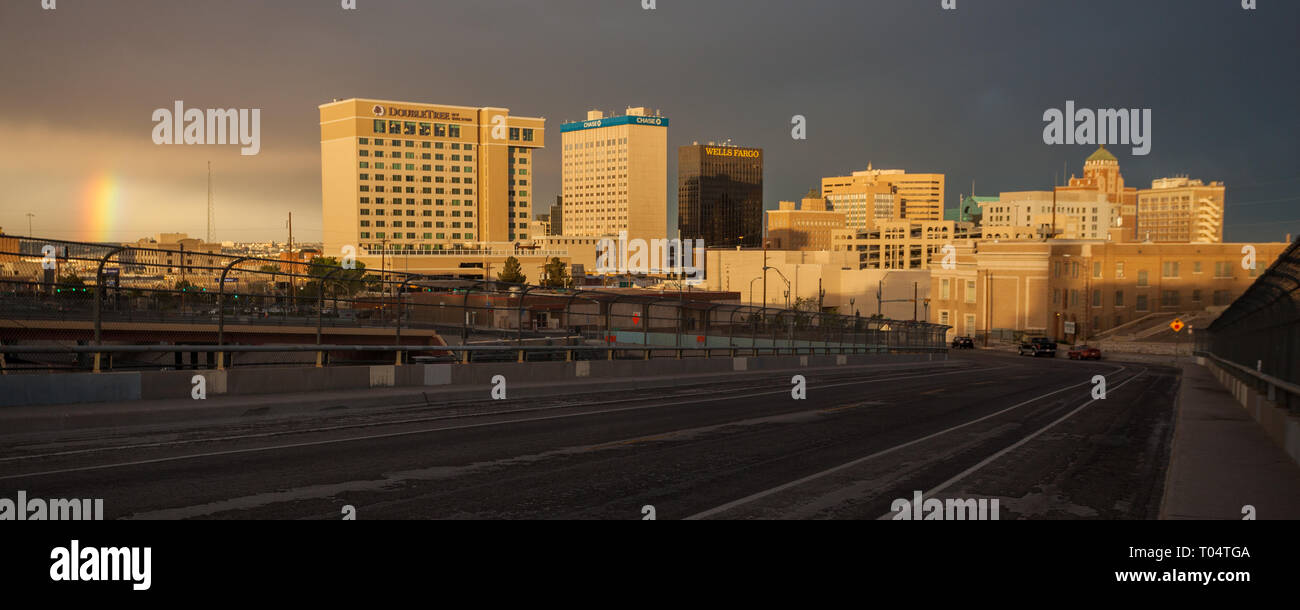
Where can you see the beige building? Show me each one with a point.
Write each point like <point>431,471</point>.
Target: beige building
<point>417,179</point>
<point>615,175</point>
<point>1101,175</point>
<point>173,253</point>
<point>1037,288</point>
<point>902,244</point>
<point>1180,210</point>
<point>807,226</point>
<point>874,195</point>
<point>794,275</point>
<point>1070,214</point>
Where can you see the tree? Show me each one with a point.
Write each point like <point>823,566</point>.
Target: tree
<point>512,273</point>
<point>336,280</point>
<point>556,274</point>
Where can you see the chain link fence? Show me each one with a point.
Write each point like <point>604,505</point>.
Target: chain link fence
<point>92,307</point>
<point>1260,332</point>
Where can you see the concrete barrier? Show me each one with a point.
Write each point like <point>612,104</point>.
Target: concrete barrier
<point>1278,423</point>
<point>49,389</point>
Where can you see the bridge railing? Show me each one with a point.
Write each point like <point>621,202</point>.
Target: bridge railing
<point>80,302</point>
<point>1257,338</point>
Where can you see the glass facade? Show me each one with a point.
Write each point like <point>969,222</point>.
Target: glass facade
<point>720,195</point>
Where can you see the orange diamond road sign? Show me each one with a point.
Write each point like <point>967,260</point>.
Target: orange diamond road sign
<point>1177,325</point>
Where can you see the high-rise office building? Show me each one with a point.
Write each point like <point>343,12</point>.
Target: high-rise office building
<point>1180,210</point>
<point>874,195</point>
<point>615,175</point>
<point>421,178</point>
<point>557,216</point>
<point>720,194</point>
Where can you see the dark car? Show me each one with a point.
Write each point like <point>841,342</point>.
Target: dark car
<point>963,343</point>
<point>1084,352</point>
<point>1038,346</point>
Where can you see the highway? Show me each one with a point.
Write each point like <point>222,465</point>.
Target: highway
<point>1025,431</point>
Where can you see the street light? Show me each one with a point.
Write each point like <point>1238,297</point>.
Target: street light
<point>880,288</point>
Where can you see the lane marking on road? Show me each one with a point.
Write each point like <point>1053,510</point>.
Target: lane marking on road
<point>812,477</point>
<point>452,428</point>
<point>417,420</point>
<point>992,458</point>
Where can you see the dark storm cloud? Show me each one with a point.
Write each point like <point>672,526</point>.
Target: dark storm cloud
<point>898,83</point>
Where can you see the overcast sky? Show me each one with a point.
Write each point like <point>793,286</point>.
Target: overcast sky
<point>897,83</point>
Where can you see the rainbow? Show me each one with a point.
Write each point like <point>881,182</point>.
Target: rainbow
<point>101,206</point>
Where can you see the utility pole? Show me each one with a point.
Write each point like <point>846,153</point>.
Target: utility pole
<point>765,273</point>
<point>915,290</point>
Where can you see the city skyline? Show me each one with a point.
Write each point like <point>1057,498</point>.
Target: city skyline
<point>81,159</point>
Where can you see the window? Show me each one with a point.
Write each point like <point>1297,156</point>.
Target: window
<point>1096,299</point>
<point>1119,271</point>
<point>1119,298</point>
<point>1141,302</point>
<point>1096,270</point>
<point>943,316</point>
<point>1222,270</point>
<point>1170,269</point>
<point>1142,278</point>
<point>970,291</point>
<point>943,289</point>
<point>1168,298</point>
<point>1196,267</point>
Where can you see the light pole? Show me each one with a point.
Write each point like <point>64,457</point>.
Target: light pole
<point>29,223</point>
<point>751,290</point>
<point>880,289</point>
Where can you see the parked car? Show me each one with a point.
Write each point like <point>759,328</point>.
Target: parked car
<point>1084,352</point>
<point>1038,346</point>
<point>963,343</point>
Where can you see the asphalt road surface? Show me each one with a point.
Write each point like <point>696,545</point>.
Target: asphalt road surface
<point>1027,432</point>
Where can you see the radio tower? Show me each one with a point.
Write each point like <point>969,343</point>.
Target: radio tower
<point>209,240</point>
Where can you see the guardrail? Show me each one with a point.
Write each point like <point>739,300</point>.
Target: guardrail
<point>455,353</point>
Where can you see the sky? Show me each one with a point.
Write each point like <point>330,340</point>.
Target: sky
<point>894,83</point>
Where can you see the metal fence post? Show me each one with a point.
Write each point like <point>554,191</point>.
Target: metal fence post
<point>99,296</point>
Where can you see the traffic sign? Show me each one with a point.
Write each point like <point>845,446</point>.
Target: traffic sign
<point>1177,325</point>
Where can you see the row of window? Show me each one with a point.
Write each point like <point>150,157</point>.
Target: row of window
<point>440,130</point>
<point>1168,270</point>
<point>411,144</point>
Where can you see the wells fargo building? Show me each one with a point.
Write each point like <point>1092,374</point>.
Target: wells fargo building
<point>720,195</point>
<point>421,179</point>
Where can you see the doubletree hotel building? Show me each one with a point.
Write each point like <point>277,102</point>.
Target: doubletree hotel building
<point>417,178</point>
<point>720,194</point>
